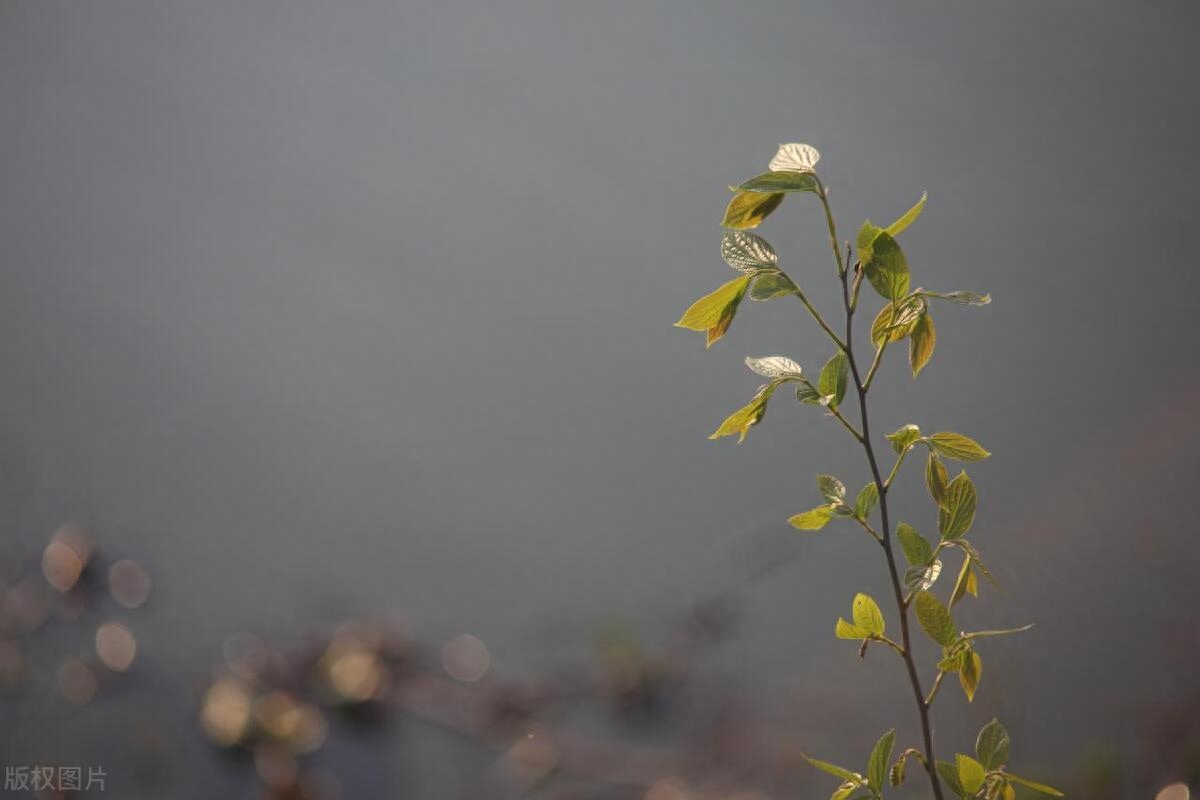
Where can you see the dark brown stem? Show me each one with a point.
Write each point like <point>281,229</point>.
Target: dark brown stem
<point>886,543</point>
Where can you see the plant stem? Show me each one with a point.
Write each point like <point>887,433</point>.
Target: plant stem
<point>886,535</point>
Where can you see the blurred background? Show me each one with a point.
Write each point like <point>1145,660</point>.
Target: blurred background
<point>322,312</point>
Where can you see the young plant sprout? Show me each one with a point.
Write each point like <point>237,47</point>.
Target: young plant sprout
<point>905,316</point>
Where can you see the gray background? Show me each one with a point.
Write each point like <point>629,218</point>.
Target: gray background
<point>367,307</point>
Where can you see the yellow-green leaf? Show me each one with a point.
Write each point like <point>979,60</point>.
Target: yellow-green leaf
<point>934,618</point>
<point>969,674</point>
<point>896,320</point>
<point>1037,787</point>
<point>917,551</point>
<point>921,343</point>
<point>971,773</point>
<point>867,615</point>
<point>903,437</point>
<point>908,217</point>
<point>992,745</point>
<point>714,312</point>
<point>966,583</point>
<point>867,499</point>
<point>955,518</point>
<point>748,209</point>
<point>769,285</point>
<point>877,763</point>
<point>844,630</point>
<point>866,238</point>
<point>957,446</point>
<point>741,421</point>
<point>813,519</point>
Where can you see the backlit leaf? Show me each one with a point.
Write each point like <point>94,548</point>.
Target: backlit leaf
<point>1037,787</point>
<point>813,519</point>
<point>748,209</point>
<point>714,312</point>
<point>774,366</point>
<point>970,773</point>
<point>834,770</point>
<point>867,615</point>
<point>956,517</point>
<point>779,182</point>
<point>807,394</point>
<point>957,446</point>
<point>887,269</point>
<point>741,421</point>
<point>969,674</point>
<point>934,618</point>
<point>747,252</point>
<point>866,238</point>
<point>921,343</point>
<point>895,321</point>
<point>795,157</point>
<point>908,217</point>
<point>846,630</point>
<point>877,764</point>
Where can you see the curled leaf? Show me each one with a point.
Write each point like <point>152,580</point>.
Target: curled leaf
<point>748,209</point>
<point>714,312</point>
<point>774,366</point>
<point>795,157</point>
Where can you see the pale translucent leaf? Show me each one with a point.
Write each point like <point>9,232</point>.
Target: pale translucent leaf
<point>794,157</point>
<point>747,252</point>
<point>774,366</point>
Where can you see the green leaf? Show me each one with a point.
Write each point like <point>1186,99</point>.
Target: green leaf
<point>934,618</point>
<point>936,479</point>
<point>965,583</point>
<point>769,285</point>
<point>962,298</point>
<point>833,489</point>
<point>867,615</point>
<point>887,269</point>
<point>959,512</point>
<point>844,791</point>
<point>895,321</point>
<point>949,774</point>
<point>1037,787</point>
<point>865,239</point>
<point>896,774</point>
<point>917,551</point>
<point>741,421</point>
<point>780,182</point>
<point>805,393</point>
<point>868,498</point>
<point>992,745</point>
<point>877,764</point>
<point>714,312</point>
<point>835,770</point>
<point>921,344</point>
<point>832,381</point>
<point>748,252</point>
<point>903,438</point>
<point>748,209</point>
<point>845,630</point>
<point>969,674</point>
<point>957,446</point>
<point>908,217</point>
<point>977,561</point>
<point>774,367</point>
<point>813,519</point>
<point>971,773</point>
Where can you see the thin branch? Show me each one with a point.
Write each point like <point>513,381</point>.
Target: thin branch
<point>820,320</point>
<point>937,684</point>
<point>874,365</point>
